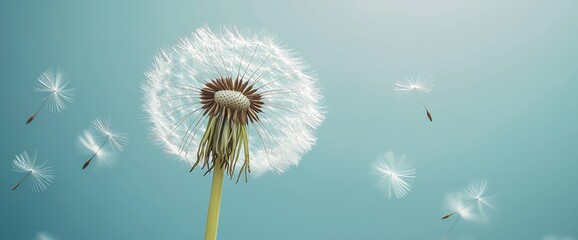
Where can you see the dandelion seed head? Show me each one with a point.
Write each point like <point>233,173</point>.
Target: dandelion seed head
<point>40,172</point>
<point>395,175</point>
<point>59,95</point>
<point>241,79</point>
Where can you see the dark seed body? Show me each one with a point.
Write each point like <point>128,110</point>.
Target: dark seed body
<point>30,119</point>
<point>86,164</point>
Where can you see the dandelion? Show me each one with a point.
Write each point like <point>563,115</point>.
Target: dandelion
<point>39,173</point>
<point>102,127</point>
<point>232,103</point>
<point>395,176</point>
<point>472,203</point>
<point>58,95</point>
<point>416,85</point>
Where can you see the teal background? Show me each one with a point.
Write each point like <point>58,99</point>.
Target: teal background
<point>504,108</point>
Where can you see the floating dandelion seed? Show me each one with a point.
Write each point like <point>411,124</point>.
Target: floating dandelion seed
<point>58,95</point>
<point>475,194</point>
<point>395,176</point>
<point>220,95</point>
<point>88,140</point>
<point>472,203</point>
<point>39,173</point>
<point>102,127</point>
<point>416,85</point>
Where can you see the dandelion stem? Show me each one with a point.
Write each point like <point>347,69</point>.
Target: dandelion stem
<point>214,203</point>
<point>24,178</point>
<point>31,118</point>
<point>94,155</point>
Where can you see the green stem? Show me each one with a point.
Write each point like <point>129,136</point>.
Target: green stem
<point>214,203</point>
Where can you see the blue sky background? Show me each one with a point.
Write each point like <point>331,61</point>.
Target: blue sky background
<point>504,108</point>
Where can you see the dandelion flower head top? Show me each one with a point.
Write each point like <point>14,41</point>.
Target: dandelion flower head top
<point>232,96</point>
<point>59,94</point>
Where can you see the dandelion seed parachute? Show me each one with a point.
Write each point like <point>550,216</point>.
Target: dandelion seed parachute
<point>416,85</point>
<point>39,173</point>
<point>102,127</point>
<point>472,203</point>
<point>395,175</point>
<point>477,192</point>
<point>473,197</point>
<point>231,103</point>
<point>58,94</point>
